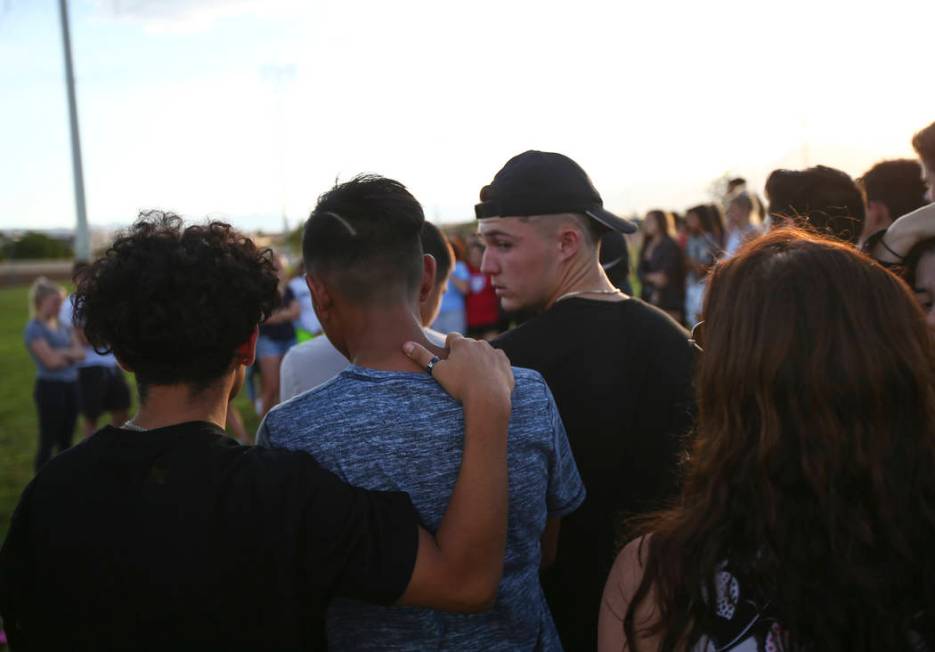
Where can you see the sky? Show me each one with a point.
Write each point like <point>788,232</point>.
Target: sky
<point>249,109</point>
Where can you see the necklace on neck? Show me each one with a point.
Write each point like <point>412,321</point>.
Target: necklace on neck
<point>580,292</point>
<point>129,425</point>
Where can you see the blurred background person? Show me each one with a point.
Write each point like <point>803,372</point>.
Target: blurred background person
<point>452,316</point>
<point>806,517</point>
<point>482,306</point>
<point>894,245</point>
<point>55,350</point>
<point>615,259</point>
<point>823,199</point>
<point>892,188</point>
<point>702,249</point>
<point>919,272</point>
<point>736,185</point>
<point>277,335</point>
<point>102,386</point>
<point>661,268</point>
<point>306,326</point>
<point>924,145</point>
<point>741,225</point>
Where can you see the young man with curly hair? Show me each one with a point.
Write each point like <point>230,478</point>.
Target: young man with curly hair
<point>166,534</point>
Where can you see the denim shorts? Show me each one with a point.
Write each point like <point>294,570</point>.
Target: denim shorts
<point>267,347</point>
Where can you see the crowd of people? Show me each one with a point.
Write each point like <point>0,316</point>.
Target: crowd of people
<point>678,251</point>
<point>598,477</point>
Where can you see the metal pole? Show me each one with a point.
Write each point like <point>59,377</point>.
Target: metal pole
<point>82,237</point>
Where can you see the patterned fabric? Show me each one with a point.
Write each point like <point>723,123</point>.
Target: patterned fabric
<point>401,431</point>
<point>742,623</point>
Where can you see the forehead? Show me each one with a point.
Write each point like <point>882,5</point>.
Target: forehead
<point>510,226</point>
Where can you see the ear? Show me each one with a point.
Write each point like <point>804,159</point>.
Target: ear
<point>322,301</point>
<point>246,352</point>
<point>428,277</point>
<point>569,241</point>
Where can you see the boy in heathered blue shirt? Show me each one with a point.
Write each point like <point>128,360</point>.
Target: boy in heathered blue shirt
<point>384,423</point>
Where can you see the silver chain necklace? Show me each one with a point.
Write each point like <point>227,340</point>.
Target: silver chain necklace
<point>580,292</point>
<point>129,425</point>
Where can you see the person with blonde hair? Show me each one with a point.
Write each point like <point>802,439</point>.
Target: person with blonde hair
<point>55,350</point>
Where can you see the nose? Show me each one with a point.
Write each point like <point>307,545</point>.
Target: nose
<point>488,264</point>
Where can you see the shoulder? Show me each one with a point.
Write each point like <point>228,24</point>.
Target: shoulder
<point>624,580</point>
<point>316,359</point>
<point>306,350</point>
<point>307,401</point>
<point>653,321</point>
<point>528,335</point>
<point>34,329</point>
<point>292,416</point>
<point>530,383</point>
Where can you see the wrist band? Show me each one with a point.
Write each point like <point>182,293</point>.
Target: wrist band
<point>887,247</point>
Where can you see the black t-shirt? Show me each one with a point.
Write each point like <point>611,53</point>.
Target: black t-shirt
<point>181,538</point>
<point>621,375</point>
<point>283,331</point>
<point>665,257</point>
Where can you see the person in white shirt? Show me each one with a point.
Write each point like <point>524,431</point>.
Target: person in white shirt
<point>306,326</point>
<point>309,364</point>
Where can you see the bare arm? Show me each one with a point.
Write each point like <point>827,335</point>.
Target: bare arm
<point>459,568</point>
<point>285,313</point>
<point>904,234</point>
<point>550,542</point>
<point>622,584</point>
<point>56,358</point>
<point>658,279</point>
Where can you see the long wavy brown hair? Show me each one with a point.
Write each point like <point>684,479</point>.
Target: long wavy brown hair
<point>813,466</point>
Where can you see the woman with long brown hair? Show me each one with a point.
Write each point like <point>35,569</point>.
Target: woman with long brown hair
<point>661,268</point>
<point>807,515</point>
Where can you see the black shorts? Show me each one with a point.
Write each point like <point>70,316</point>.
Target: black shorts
<point>101,389</point>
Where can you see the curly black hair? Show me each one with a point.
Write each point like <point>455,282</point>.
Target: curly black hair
<point>174,302</point>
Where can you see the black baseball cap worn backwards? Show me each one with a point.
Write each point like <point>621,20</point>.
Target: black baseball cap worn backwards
<point>545,183</point>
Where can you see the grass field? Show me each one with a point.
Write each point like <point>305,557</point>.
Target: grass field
<point>18,423</point>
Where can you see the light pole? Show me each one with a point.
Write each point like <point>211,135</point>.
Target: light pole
<point>82,237</point>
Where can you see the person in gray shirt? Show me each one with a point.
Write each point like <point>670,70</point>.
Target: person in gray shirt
<point>382,423</point>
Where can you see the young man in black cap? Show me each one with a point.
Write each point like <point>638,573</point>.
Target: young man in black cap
<point>620,370</point>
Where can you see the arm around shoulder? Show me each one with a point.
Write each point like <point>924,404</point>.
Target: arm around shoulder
<point>459,569</point>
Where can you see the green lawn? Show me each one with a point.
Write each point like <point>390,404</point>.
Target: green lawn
<point>18,424</point>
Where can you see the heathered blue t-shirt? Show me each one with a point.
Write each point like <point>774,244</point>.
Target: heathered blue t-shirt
<point>401,431</point>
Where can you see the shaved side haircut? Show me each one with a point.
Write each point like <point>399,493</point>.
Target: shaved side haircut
<point>364,237</point>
